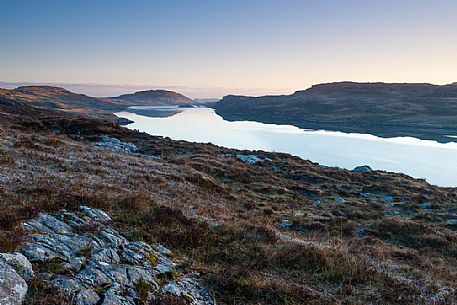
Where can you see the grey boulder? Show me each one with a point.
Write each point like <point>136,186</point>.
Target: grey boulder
<point>362,169</point>
<point>13,287</point>
<point>20,263</point>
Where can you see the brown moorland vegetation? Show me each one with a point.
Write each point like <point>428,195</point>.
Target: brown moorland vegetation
<point>274,232</point>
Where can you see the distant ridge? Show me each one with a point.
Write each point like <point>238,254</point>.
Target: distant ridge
<point>58,98</point>
<point>206,100</point>
<point>421,110</point>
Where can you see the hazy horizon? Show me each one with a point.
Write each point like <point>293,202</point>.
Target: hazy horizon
<point>210,49</point>
<point>113,90</point>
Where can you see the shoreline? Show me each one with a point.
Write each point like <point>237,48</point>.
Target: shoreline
<point>399,154</point>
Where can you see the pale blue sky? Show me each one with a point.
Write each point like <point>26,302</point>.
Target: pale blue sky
<point>212,48</point>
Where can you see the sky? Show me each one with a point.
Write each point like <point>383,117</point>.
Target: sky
<point>212,48</point>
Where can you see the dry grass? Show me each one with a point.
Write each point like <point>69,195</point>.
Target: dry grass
<point>41,293</point>
<point>220,216</point>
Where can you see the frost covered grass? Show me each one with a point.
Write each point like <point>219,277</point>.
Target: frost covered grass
<point>222,217</point>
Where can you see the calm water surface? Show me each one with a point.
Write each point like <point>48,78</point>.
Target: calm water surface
<point>418,158</point>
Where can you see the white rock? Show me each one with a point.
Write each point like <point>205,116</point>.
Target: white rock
<point>20,263</point>
<point>13,287</point>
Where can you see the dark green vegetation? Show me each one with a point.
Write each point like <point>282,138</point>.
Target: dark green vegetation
<point>392,241</point>
<point>424,111</point>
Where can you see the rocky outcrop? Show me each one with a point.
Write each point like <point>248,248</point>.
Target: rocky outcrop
<point>188,288</point>
<point>115,145</point>
<point>363,169</point>
<point>13,287</point>
<point>251,159</point>
<point>19,262</point>
<point>89,261</point>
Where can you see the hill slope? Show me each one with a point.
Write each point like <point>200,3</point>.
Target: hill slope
<point>279,231</point>
<point>421,110</point>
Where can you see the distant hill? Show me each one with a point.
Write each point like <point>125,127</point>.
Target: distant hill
<point>206,100</point>
<point>154,98</point>
<point>58,98</point>
<point>385,109</point>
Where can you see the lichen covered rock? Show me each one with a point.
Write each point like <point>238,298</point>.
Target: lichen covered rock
<point>115,145</point>
<point>89,261</point>
<point>251,159</point>
<point>20,263</point>
<point>190,289</point>
<point>13,287</point>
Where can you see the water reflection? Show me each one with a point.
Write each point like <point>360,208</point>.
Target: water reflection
<point>418,158</point>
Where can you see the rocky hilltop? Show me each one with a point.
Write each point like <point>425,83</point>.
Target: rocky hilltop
<point>389,110</point>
